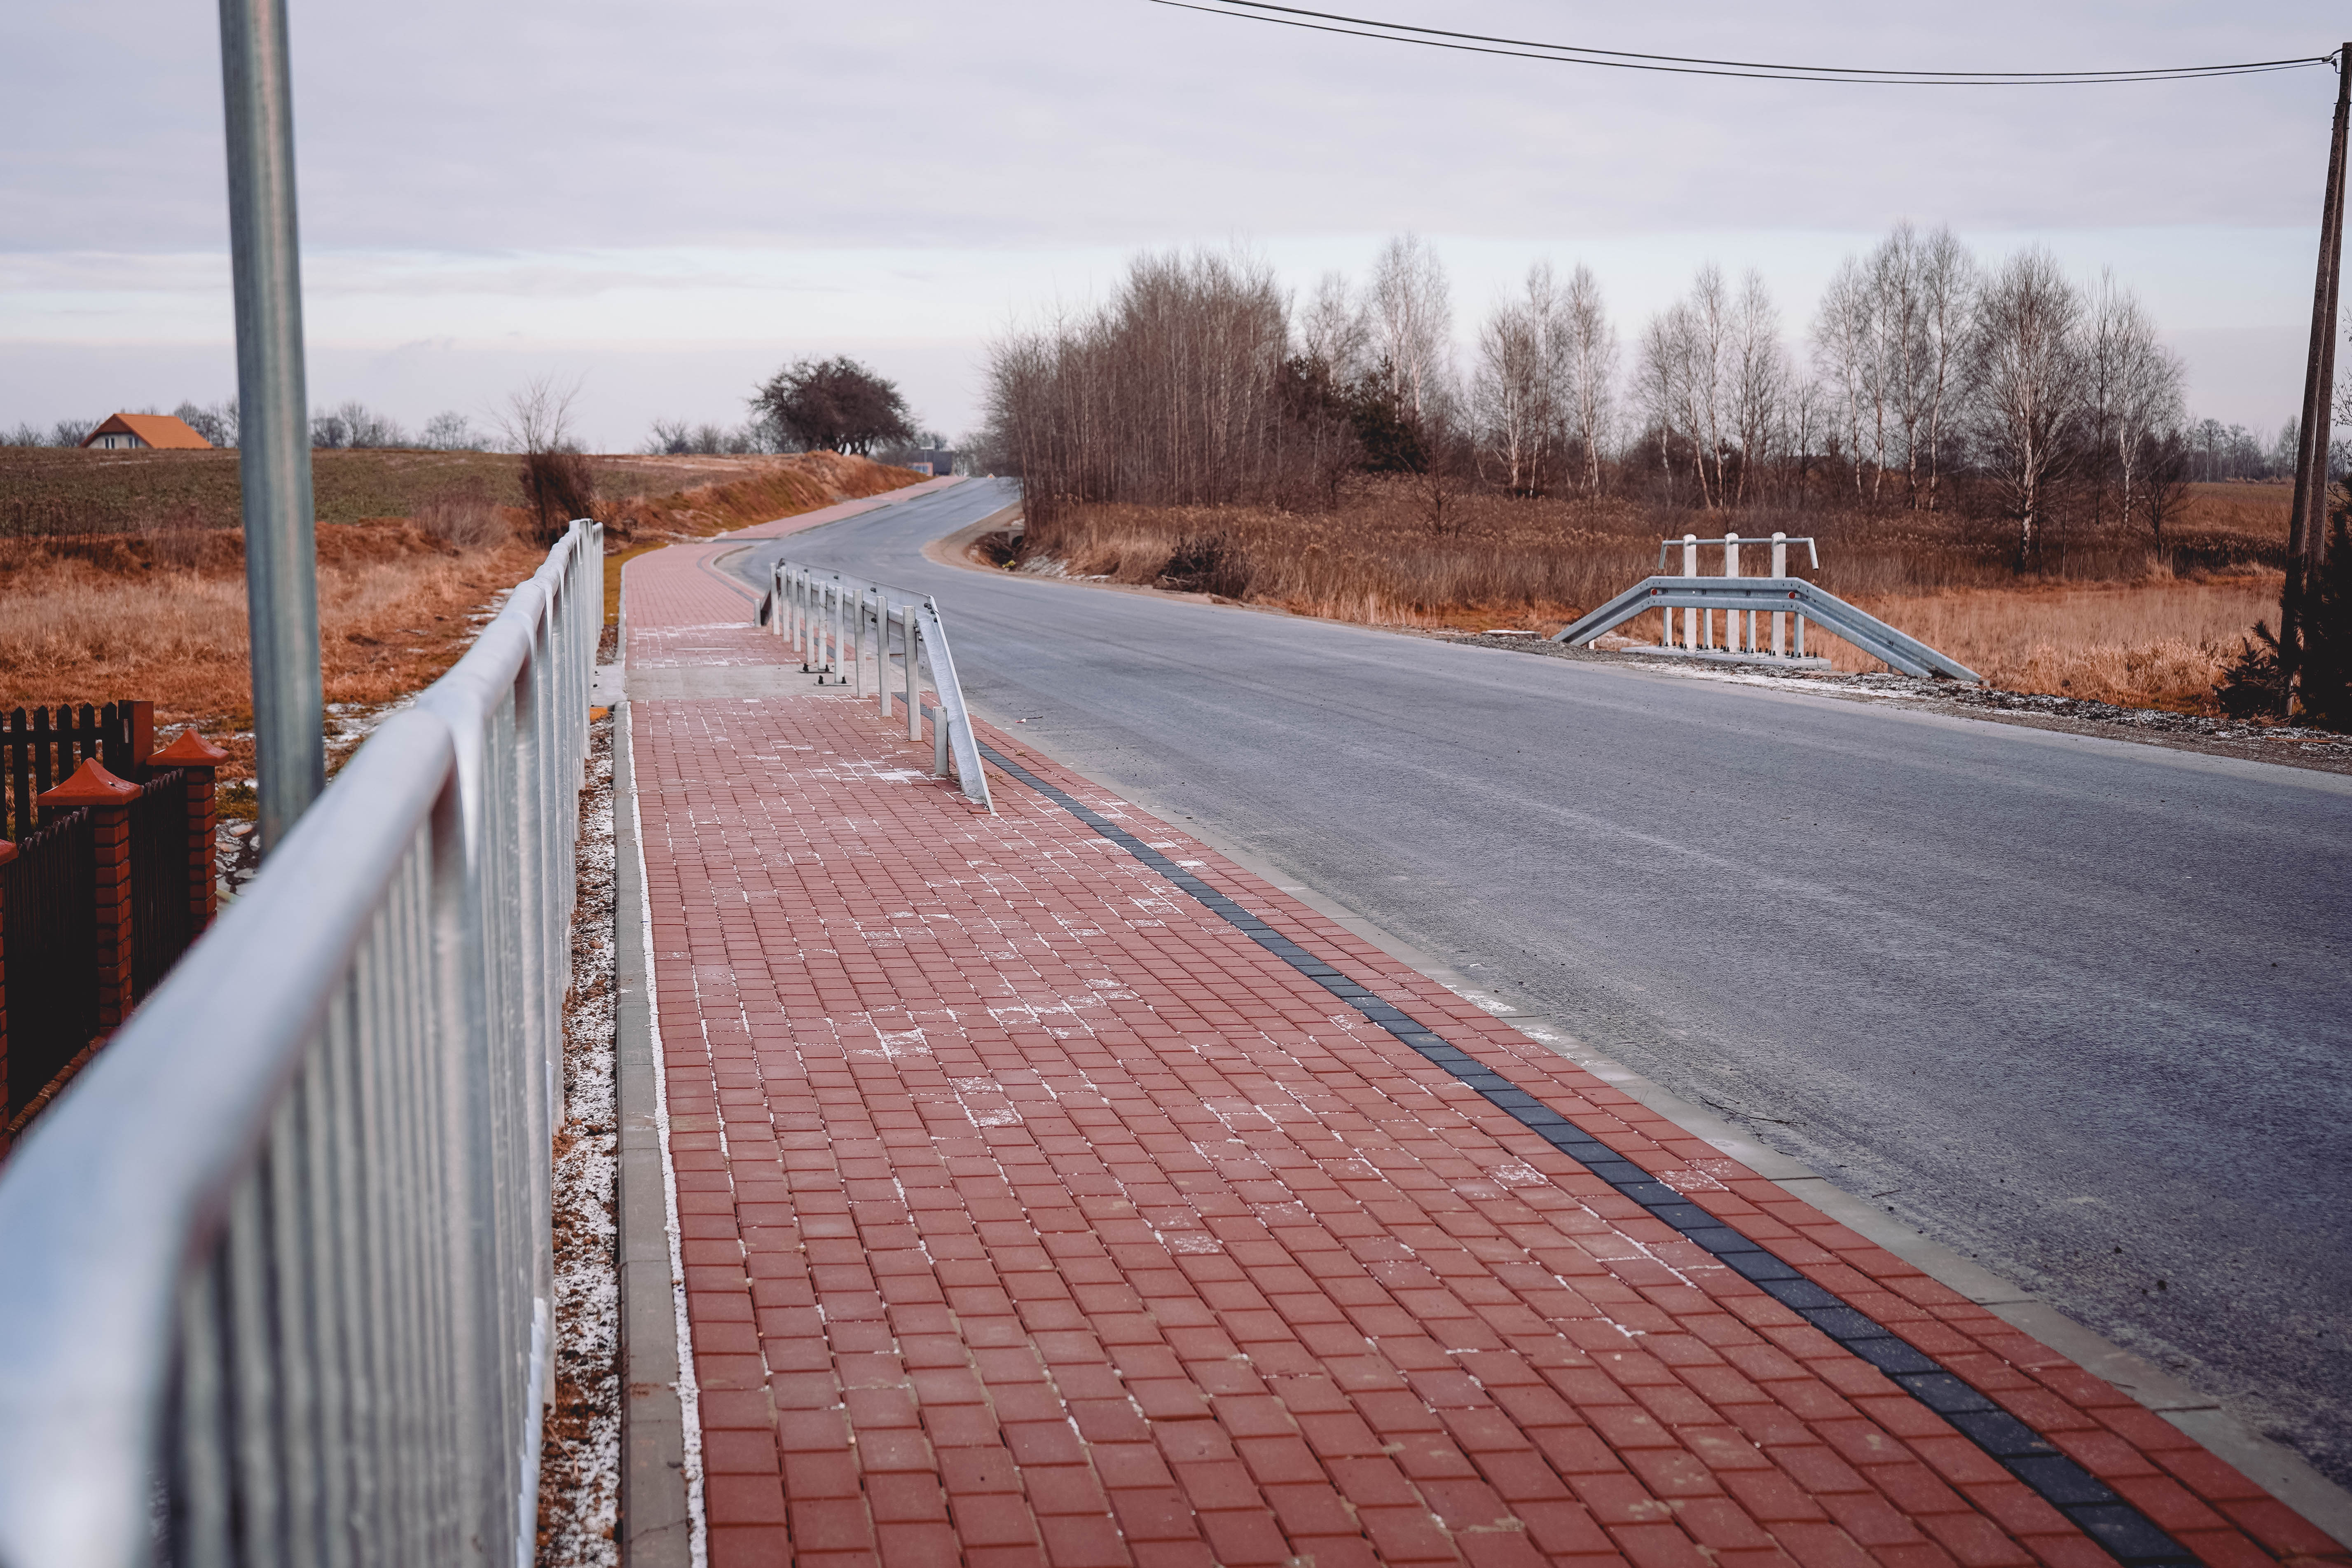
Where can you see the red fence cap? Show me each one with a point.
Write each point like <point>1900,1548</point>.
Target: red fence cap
<point>90,785</point>
<point>190,751</point>
<point>7,852</point>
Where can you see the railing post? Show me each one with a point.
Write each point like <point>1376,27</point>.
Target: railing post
<point>1779,569</point>
<point>1731,569</point>
<point>914,687</point>
<point>882,655</point>
<point>858,646</point>
<point>109,800</point>
<point>199,758</point>
<point>1690,569</point>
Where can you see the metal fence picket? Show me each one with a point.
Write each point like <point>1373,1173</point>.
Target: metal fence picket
<point>275,1272</point>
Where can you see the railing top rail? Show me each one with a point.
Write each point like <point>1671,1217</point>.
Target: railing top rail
<point>911,596</point>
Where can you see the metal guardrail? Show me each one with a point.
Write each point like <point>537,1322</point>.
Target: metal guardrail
<point>826,617</point>
<point>1745,600</point>
<point>275,1273</point>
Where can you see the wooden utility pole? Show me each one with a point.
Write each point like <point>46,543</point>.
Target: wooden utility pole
<point>2306,543</point>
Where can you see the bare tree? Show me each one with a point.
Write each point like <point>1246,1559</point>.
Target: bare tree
<point>1947,279</point>
<point>216,422</point>
<point>1843,337</point>
<point>1658,381</point>
<point>2025,386</point>
<point>2133,386</point>
<point>1759,380</point>
<point>1523,370</point>
<point>1707,350</point>
<point>1591,350</point>
<point>2164,459</point>
<point>538,416</point>
<point>1173,393</point>
<point>1412,318</point>
<point>1332,330</point>
<point>558,484</point>
<point>1805,423</point>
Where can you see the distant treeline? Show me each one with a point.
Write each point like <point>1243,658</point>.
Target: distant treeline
<point>2002,392</point>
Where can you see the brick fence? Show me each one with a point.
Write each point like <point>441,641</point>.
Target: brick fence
<point>97,903</point>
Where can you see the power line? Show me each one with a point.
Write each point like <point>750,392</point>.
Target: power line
<point>1264,11</point>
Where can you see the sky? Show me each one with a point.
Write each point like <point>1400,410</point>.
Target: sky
<point>663,204</point>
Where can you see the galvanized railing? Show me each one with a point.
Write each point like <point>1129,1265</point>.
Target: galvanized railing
<point>275,1273</point>
<point>1747,603</point>
<point>826,620</point>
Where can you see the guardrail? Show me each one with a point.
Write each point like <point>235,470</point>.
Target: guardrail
<point>824,617</point>
<point>1744,600</point>
<point>275,1273</point>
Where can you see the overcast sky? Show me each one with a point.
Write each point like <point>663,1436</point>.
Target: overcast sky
<point>669,200</point>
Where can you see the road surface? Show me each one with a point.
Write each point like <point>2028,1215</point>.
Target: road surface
<point>2077,1008</point>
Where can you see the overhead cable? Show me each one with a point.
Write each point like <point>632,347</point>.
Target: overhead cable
<point>1265,11</point>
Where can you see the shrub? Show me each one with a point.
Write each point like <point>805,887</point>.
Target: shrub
<point>1208,564</point>
<point>558,486</point>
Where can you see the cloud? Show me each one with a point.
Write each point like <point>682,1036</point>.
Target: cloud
<point>589,173</point>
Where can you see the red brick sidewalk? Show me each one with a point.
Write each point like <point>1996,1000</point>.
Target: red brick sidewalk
<point>1034,1215</point>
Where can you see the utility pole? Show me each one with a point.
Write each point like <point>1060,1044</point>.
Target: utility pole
<point>2306,543</point>
<point>281,558</point>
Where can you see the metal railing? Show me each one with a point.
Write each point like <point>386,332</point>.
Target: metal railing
<point>1745,601</point>
<point>825,619</point>
<point>275,1273</point>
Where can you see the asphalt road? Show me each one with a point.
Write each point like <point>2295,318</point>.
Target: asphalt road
<point>2078,1008</point>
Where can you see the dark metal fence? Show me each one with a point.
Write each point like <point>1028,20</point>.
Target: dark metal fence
<point>162,870</point>
<point>40,748</point>
<point>52,939</point>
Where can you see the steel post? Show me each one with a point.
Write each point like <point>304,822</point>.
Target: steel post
<point>1779,569</point>
<point>1690,569</point>
<point>273,417</point>
<point>1731,569</point>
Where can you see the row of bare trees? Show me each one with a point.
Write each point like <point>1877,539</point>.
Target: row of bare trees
<point>2046,401</point>
<point>1929,380</point>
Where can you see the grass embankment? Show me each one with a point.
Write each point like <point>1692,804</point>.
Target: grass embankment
<point>2102,622</point>
<point>152,606</point>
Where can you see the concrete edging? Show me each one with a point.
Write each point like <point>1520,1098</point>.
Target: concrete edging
<point>656,1526</point>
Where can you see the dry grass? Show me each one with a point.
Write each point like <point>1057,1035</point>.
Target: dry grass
<point>2154,644</point>
<point>2104,622</point>
<point>749,490</point>
<point>396,608</point>
<point>157,611</point>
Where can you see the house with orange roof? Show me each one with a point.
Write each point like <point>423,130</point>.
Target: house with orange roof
<point>128,431</point>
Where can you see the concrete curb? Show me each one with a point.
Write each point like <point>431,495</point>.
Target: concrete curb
<point>2276,1469</point>
<point>655,1526</point>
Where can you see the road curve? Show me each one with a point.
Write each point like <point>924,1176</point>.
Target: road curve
<point>2077,1008</point>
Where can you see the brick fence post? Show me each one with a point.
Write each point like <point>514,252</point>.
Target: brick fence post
<point>200,757</point>
<point>109,800</point>
<point>7,853</point>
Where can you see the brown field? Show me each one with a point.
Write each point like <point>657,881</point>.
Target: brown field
<point>46,491</point>
<point>156,610</point>
<point>2102,621</point>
